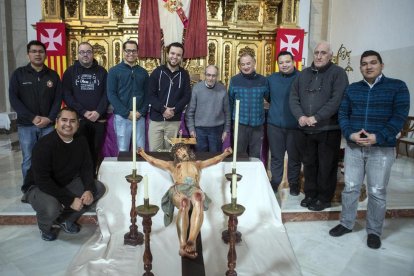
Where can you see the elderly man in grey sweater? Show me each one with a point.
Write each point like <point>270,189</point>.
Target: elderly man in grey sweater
<point>208,115</point>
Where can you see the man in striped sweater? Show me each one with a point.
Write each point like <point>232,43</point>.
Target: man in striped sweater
<point>371,114</point>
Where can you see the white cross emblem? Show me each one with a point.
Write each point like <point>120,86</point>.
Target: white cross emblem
<point>289,45</point>
<point>51,39</point>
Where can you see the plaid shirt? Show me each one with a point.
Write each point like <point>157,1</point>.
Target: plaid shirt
<point>250,90</point>
<point>381,110</point>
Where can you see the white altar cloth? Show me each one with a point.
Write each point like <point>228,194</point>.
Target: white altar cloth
<point>264,250</point>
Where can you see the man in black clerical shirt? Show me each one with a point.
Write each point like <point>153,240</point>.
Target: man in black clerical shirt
<point>60,184</point>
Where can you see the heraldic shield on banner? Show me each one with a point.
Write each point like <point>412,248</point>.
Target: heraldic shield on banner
<point>290,40</point>
<point>53,35</point>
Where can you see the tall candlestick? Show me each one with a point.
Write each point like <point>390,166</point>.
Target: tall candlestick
<point>234,185</point>
<point>236,132</point>
<point>134,133</point>
<point>145,186</point>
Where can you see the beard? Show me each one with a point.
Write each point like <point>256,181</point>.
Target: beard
<point>172,65</point>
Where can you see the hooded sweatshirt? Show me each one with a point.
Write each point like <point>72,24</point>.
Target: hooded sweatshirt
<point>168,89</point>
<point>84,89</point>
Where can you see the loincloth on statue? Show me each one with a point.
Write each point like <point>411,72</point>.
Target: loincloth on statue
<point>188,190</point>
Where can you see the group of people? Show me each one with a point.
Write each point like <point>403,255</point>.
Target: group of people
<point>308,114</point>
<point>316,107</point>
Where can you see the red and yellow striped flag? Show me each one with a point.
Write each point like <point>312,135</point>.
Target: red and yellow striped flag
<point>53,35</point>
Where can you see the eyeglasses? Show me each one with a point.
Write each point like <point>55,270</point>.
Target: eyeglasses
<point>36,51</point>
<point>84,53</point>
<point>211,75</point>
<point>130,51</point>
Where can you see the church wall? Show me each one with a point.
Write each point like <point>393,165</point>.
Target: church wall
<point>13,44</point>
<point>34,14</point>
<point>381,25</point>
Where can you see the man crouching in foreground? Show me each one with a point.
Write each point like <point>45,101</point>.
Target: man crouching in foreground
<point>185,193</point>
<point>60,184</point>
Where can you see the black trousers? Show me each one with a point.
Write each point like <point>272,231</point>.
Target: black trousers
<point>94,132</point>
<point>320,162</point>
<point>283,140</point>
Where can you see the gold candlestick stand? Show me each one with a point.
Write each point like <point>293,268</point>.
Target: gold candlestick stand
<point>133,237</point>
<point>147,211</point>
<point>232,210</point>
<point>225,234</point>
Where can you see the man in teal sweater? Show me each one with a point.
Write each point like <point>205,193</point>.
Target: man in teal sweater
<point>282,127</point>
<point>125,81</point>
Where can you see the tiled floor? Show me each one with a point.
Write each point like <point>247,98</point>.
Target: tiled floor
<point>22,252</point>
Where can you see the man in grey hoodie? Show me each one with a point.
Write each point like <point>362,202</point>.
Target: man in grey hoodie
<point>314,102</point>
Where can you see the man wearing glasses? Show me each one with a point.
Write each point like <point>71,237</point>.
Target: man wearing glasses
<point>84,90</point>
<point>125,81</point>
<point>35,94</point>
<point>208,114</point>
<point>314,102</point>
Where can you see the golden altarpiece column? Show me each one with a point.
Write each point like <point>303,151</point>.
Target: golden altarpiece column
<point>233,26</point>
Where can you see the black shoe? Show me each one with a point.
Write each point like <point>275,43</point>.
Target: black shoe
<point>306,201</point>
<point>70,227</point>
<point>373,241</point>
<point>48,235</point>
<point>294,190</point>
<point>339,230</point>
<point>319,205</point>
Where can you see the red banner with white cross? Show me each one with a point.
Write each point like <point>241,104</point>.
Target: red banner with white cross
<point>290,40</point>
<point>53,35</point>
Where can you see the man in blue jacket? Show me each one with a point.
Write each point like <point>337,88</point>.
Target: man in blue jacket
<point>169,94</point>
<point>371,115</point>
<point>282,127</point>
<point>125,81</point>
<point>35,94</point>
<point>84,90</point>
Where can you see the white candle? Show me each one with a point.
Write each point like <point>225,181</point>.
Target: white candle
<point>145,186</point>
<point>236,132</point>
<point>134,133</point>
<point>234,185</point>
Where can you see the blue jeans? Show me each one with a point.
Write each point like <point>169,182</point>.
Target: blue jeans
<point>28,136</point>
<point>209,139</point>
<point>123,130</point>
<point>375,163</point>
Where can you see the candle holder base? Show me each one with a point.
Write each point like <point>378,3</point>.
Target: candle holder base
<point>133,238</point>
<point>147,211</point>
